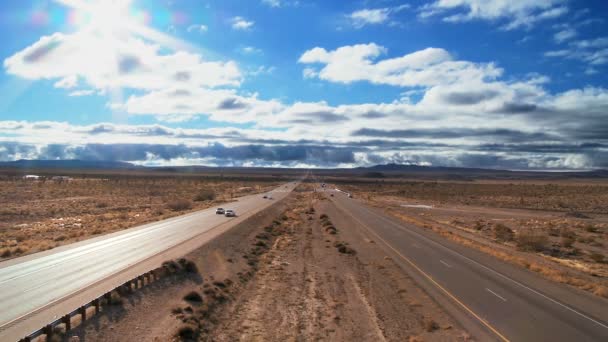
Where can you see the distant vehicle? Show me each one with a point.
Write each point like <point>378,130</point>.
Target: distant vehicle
<point>230,213</point>
<point>265,196</point>
<point>220,211</point>
<point>350,196</point>
<point>332,195</point>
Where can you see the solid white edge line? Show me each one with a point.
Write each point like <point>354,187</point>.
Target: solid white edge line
<point>445,263</point>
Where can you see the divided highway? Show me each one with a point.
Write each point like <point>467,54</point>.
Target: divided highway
<point>37,289</point>
<point>491,298</point>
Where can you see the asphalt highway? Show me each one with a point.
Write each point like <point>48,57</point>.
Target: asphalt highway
<point>494,299</point>
<point>37,289</point>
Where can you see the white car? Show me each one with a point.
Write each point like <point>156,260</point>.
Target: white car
<point>230,213</point>
<point>220,211</point>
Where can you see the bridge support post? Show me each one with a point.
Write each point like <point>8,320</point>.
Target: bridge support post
<point>97,305</point>
<point>48,331</point>
<point>83,313</point>
<point>67,320</point>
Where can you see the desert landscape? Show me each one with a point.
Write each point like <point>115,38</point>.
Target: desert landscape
<point>43,213</point>
<point>558,228</point>
<point>321,261</point>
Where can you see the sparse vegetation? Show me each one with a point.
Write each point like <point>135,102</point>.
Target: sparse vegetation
<point>205,195</point>
<point>430,325</point>
<point>597,257</point>
<point>503,233</point>
<point>532,241</point>
<point>179,205</point>
<point>193,297</point>
<point>36,216</point>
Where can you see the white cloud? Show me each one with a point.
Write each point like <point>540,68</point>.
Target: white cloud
<point>564,35</point>
<point>240,23</point>
<point>373,16</point>
<point>250,50</point>
<point>593,52</point>
<point>67,82</point>
<point>120,62</point>
<point>428,67</point>
<point>309,73</point>
<point>223,105</point>
<point>198,28</point>
<point>272,3</point>
<point>592,43</point>
<point>518,13</point>
<point>82,93</point>
<point>364,17</point>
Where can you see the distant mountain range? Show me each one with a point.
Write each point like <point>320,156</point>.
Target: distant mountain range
<point>375,171</point>
<point>68,164</point>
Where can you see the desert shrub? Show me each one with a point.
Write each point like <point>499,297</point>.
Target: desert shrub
<point>60,238</point>
<point>180,204</point>
<point>205,195</point>
<point>343,248</point>
<point>567,241</point>
<point>430,325</point>
<point>323,217</point>
<point>187,332</point>
<point>193,297</point>
<point>597,257</point>
<point>5,253</point>
<point>102,204</point>
<point>567,233</point>
<point>530,241</point>
<point>188,265</point>
<point>503,233</point>
<point>601,291</point>
<point>171,265</point>
<point>115,299</point>
<point>591,228</point>
<point>261,244</point>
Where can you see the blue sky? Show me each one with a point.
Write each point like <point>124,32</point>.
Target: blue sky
<point>482,83</point>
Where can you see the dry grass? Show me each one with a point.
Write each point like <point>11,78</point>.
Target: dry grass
<point>572,198</point>
<point>545,269</point>
<point>36,215</point>
<point>558,230</point>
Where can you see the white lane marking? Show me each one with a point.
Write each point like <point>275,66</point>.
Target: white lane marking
<point>445,263</point>
<point>487,268</point>
<point>496,294</point>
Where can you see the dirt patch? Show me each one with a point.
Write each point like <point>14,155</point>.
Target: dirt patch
<point>308,289</point>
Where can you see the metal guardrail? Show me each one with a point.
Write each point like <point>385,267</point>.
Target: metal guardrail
<point>129,286</point>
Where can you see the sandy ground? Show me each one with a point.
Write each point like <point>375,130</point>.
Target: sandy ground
<point>283,276</point>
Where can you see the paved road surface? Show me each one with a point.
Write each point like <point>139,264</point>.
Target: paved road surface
<point>492,298</point>
<point>39,288</point>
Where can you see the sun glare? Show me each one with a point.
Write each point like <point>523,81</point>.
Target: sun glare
<point>107,15</point>
<point>104,15</point>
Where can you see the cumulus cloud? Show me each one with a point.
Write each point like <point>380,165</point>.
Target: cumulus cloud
<point>373,16</point>
<point>516,13</point>
<point>128,62</point>
<point>242,24</point>
<point>447,146</point>
<point>427,67</point>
